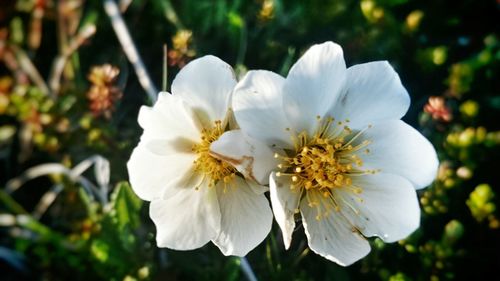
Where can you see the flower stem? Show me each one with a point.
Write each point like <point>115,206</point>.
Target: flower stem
<point>165,68</point>
<point>247,270</point>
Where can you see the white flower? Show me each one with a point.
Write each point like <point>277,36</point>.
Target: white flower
<point>347,163</point>
<point>196,197</point>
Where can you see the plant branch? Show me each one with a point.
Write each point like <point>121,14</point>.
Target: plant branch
<point>62,59</point>
<point>129,48</point>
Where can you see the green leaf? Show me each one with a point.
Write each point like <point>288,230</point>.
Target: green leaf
<point>10,204</point>
<point>100,250</point>
<point>90,205</point>
<point>114,246</point>
<point>126,206</point>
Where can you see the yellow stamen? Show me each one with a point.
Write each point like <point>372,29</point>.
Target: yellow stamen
<point>325,161</point>
<point>213,168</point>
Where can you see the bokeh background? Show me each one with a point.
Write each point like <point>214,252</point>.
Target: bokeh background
<point>69,99</point>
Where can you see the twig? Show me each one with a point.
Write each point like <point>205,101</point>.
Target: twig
<point>165,68</point>
<point>247,270</point>
<point>171,14</point>
<point>47,199</point>
<point>35,33</point>
<point>124,4</point>
<point>25,143</point>
<point>29,68</point>
<point>47,169</point>
<point>129,48</point>
<point>62,59</point>
<point>101,173</point>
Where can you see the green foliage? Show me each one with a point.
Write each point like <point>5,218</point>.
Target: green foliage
<point>114,246</point>
<point>480,202</point>
<point>126,206</point>
<point>449,51</point>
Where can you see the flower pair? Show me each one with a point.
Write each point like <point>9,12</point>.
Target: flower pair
<point>327,139</point>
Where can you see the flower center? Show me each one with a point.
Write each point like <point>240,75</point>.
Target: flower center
<point>211,167</point>
<point>327,160</point>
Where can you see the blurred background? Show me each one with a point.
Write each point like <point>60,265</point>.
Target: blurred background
<point>69,98</point>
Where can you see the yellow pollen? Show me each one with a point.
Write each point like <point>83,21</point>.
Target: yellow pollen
<point>213,168</point>
<point>324,161</point>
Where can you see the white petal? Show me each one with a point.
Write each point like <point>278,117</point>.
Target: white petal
<point>257,188</point>
<point>332,236</point>
<point>169,146</point>
<point>313,85</point>
<point>258,107</point>
<point>399,149</point>
<point>187,220</point>
<point>169,118</point>
<point>206,84</point>
<point>285,202</point>
<point>152,175</point>
<point>249,156</point>
<point>387,206</point>
<point>373,92</point>
<point>246,218</point>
